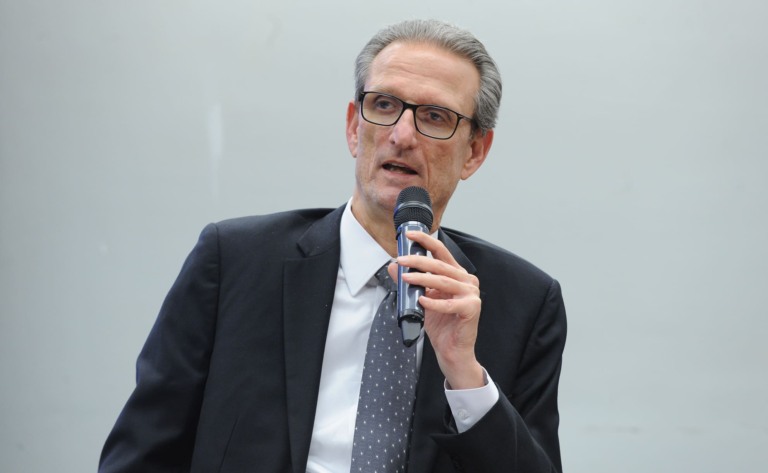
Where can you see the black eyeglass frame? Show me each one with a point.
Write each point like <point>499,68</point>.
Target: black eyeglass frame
<point>413,107</point>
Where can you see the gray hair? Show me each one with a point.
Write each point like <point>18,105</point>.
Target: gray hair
<point>450,38</point>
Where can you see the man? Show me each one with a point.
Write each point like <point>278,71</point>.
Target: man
<point>256,359</point>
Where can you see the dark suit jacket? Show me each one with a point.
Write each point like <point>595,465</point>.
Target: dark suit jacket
<point>228,378</point>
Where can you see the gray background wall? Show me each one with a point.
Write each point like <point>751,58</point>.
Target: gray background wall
<point>630,163</point>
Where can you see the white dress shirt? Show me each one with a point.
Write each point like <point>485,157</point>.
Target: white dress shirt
<point>355,302</point>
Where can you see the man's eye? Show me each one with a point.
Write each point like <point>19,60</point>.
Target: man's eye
<point>435,116</point>
<point>384,105</point>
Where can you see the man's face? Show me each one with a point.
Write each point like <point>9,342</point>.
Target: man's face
<point>390,158</point>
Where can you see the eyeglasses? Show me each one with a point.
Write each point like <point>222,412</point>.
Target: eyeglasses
<point>433,121</point>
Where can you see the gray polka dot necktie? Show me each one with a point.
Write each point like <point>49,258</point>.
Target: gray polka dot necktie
<point>387,392</point>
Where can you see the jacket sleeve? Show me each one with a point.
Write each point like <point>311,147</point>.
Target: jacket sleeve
<point>519,434</point>
<point>155,431</point>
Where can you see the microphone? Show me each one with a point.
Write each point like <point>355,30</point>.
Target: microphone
<point>413,212</point>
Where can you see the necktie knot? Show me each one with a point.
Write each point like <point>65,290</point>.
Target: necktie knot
<point>382,276</point>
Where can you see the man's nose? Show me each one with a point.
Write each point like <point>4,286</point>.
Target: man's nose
<point>404,131</point>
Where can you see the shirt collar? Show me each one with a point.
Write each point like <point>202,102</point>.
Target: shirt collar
<point>361,256</point>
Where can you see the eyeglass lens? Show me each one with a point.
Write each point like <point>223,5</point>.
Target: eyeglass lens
<point>431,120</point>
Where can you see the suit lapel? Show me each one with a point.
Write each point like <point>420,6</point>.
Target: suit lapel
<point>308,289</point>
<point>428,412</point>
<point>431,406</point>
<point>454,249</point>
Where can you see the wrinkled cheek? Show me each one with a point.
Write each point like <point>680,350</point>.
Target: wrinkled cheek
<point>364,171</point>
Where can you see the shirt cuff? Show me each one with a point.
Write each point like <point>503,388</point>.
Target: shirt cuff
<point>470,405</point>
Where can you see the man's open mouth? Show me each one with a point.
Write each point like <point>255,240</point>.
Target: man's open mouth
<point>398,168</point>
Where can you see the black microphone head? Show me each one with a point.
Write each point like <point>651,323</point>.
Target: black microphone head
<point>413,205</point>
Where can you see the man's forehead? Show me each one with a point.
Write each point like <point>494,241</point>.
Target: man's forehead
<point>424,70</point>
<point>417,49</point>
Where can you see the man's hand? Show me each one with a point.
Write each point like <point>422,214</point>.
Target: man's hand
<point>451,309</point>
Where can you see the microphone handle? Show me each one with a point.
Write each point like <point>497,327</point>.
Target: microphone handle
<point>410,313</point>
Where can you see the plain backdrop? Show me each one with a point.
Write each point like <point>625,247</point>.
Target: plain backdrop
<point>630,163</point>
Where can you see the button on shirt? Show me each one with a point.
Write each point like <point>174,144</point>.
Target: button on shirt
<point>355,301</point>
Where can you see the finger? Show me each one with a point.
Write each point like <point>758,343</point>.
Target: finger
<point>444,284</point>
<point>434,266</point>
<point>465,308</point>
<point>392,270</point>
<point>433,245</point>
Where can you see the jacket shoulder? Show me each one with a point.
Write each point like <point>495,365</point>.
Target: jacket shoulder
<point>291,219</point>
<point>277,233</point>
<point>490,258</point>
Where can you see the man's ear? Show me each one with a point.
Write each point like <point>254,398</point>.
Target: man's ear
<point>352,122</point>
<point>479,147</point>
